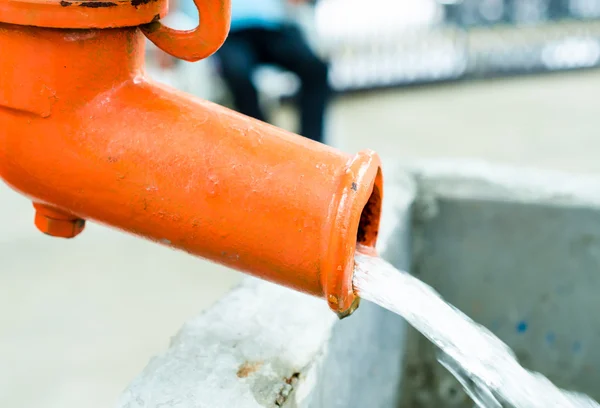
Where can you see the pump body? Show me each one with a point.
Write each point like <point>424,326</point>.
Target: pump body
<point>86,136</point>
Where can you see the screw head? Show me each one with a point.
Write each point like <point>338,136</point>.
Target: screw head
<point>65,228</point>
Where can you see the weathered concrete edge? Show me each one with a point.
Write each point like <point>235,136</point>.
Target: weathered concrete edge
<point>475,179</point>
<point>478,179</point>
<point>267,346</point>
<point>246,351</point>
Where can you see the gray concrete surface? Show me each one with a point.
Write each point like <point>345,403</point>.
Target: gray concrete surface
<point>81,318</point>
<point>518,250</point>
<point>246,351</point>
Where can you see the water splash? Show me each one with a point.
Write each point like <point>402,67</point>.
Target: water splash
<point>485,366</point>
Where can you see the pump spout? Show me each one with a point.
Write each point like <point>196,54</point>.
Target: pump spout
<point>86,136</point>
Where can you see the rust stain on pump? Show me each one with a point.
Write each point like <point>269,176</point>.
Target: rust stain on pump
<point>87,136</point>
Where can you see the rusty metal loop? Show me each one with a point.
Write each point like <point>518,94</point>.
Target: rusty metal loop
<point>199,43</point>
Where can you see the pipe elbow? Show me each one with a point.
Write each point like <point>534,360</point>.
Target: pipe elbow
<point>201,178</point>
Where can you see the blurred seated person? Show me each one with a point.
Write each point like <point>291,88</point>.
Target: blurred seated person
<point>262,34</point>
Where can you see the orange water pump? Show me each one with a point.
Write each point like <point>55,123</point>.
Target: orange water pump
<point>87,136</point>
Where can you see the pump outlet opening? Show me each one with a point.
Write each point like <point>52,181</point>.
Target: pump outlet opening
<point>368,226</point>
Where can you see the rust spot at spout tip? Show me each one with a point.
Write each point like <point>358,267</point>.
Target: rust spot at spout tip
<point>368,226</point>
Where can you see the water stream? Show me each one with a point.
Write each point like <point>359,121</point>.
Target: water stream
<point>483,364</point>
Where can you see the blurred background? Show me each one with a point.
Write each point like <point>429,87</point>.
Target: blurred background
<point>510,81</point>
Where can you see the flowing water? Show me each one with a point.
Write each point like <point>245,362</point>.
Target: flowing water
<point>484,365</point>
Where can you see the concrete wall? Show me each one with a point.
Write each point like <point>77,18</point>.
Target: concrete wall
<point>517,250</point>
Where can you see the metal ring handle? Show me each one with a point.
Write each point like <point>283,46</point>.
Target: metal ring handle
<point>202,41</point>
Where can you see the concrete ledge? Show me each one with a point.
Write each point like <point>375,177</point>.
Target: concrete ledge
<point>478,179</point>
<point>246,351</point>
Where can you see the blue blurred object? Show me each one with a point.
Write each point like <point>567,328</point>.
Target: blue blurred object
<point>248,13</point>
<point>189,8</point>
